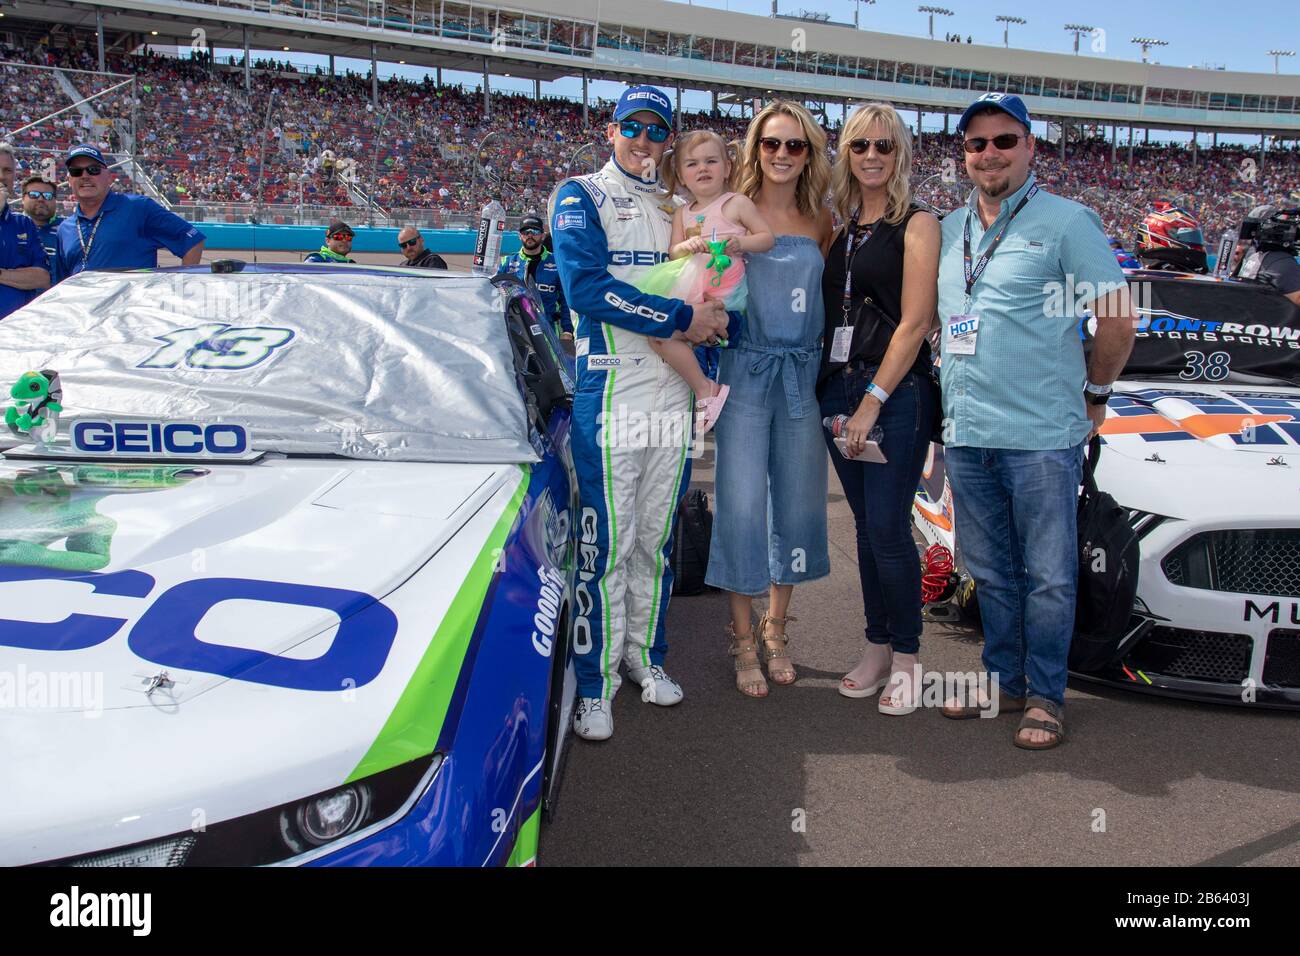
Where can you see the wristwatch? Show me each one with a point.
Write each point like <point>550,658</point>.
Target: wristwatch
<point>1096,394</point>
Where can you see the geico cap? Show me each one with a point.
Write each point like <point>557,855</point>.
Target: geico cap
<point>637,98</point>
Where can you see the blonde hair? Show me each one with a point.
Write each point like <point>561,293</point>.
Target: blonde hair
<point>670,168</point>
<point>845,194</point>
<point>816,174</point>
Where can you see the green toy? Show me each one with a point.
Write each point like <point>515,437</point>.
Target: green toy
<point>36,405</point>
<point>718,263</point>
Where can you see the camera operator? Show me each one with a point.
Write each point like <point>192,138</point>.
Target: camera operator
<point>1270,239</point>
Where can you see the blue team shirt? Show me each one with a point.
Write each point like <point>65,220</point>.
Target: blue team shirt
<point>131,230</point>
<point>20,247</point>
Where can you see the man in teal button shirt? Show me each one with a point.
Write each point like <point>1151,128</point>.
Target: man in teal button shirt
<point>1018,268</point>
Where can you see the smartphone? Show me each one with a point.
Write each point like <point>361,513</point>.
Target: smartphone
<point>870,452</point>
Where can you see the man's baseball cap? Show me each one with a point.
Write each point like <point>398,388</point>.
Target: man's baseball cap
<point>1008,103</point>
<point>532,222</point>
<point>637,98</point>
<point>85,149</point>
<point>337,227</point>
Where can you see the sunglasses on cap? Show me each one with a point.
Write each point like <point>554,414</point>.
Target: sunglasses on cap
<point>94,169</point>
<point>40,194</point>
<point>1003,141</point>
<point>657,132</point>
<point>883,146</point>
<point>794,147</point>
<point>408,242</point>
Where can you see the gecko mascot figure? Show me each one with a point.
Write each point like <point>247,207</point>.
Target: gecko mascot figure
<point>36,407</point>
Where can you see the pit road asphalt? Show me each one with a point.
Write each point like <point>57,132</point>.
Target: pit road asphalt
<point>807,777</point>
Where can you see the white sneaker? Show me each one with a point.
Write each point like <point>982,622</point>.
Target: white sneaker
<point>656,686</point>
<point>592,720</point>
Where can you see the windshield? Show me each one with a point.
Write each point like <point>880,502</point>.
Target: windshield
<point>1206,331</point>
<point>339,362</point>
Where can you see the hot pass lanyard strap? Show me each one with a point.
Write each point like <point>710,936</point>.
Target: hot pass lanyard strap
<point>86,246</point>
<point>973,274</point>
<point>853,242</point>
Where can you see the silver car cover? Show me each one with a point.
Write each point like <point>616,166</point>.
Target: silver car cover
<point>395,367</point>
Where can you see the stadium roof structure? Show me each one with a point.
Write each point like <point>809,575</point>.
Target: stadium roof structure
<point>703,48</point>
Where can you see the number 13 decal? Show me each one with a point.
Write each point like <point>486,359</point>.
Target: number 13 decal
<point>217,346</point>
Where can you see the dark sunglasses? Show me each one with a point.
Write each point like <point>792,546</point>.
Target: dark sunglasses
<point>1003,141</point>
<point>40,194</point>
<point>530,232</point>
<point>883,146</point>
<point>655,131</point>
<point>794,147</point>
<point>409,242</point>
<point>94,169</point>
<point>340,235</point>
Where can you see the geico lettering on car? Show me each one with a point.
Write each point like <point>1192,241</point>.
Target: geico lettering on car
<point>306,598</point>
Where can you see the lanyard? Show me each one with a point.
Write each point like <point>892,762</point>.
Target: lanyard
<point>973,275</point>
<point>852,243</point>
<point>87,246</point>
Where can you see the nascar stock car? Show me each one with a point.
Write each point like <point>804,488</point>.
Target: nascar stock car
<point>286,581</point>
<point>1201,446</point>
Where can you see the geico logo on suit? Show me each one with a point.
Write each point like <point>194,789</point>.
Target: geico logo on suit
<point>642,310</point>
<point>636,257</point>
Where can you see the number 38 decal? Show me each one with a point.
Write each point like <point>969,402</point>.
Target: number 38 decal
<point>1213,368</point>
<point>217,346</point>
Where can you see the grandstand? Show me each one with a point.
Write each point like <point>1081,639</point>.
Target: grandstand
<point>239,136</point>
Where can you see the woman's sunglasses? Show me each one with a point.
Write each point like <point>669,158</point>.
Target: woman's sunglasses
<point>1003,141</point>
<point>883,146</point>
<point>655,131</point>
<point>794,147</point>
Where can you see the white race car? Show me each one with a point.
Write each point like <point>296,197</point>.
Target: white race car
<point>1202,446</point>
<point>287,581</point>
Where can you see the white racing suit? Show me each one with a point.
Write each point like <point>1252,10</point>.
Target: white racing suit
<point>632,419</point>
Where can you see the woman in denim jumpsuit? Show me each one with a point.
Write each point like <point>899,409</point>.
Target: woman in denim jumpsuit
<point>769,532</point>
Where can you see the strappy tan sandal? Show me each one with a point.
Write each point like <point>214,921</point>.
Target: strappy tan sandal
<point>745,651</point>
<point>774,649</point>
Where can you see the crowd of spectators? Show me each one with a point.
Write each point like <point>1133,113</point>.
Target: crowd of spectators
<point>203,139</point>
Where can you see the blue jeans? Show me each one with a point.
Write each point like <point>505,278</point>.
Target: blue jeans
<point>881,498</point>
<point>1016,533</point>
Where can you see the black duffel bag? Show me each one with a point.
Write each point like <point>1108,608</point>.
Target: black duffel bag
<point>691,539</point>
<point>1108,573</point>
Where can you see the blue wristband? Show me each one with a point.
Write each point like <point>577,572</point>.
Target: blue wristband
<point>878,393</point>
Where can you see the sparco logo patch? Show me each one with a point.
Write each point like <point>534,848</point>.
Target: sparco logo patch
<point>605,361</point>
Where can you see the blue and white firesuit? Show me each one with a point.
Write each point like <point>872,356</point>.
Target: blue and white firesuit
<point>632,420</point>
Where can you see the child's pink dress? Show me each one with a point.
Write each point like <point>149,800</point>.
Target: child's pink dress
<point>691,279</point>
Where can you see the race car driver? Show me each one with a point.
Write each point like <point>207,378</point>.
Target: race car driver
<point>631,412</point>
<point>1170,238</point>
<point>534,265</point>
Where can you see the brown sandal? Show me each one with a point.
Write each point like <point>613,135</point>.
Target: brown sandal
<point>1054,725</point>
<point>745,651</point>
<point>774,649</point>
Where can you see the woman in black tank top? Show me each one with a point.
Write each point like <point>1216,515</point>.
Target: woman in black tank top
<point>875,370</point>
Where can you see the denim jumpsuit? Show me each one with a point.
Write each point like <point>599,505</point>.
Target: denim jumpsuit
<point>770,521</point>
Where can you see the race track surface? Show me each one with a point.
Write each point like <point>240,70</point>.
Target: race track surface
<point>807,777</point>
